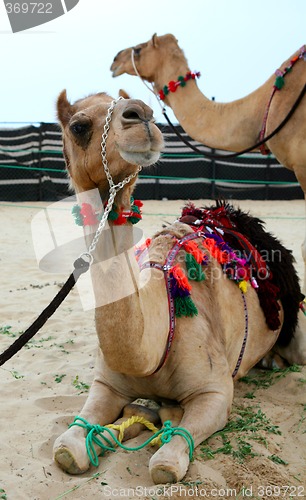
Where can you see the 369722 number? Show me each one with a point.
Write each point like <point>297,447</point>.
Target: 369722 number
<point>28,8</point>
<point>281,491</point>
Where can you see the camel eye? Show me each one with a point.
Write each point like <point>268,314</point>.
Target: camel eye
<point>79,128</point>
<point>137,51</point>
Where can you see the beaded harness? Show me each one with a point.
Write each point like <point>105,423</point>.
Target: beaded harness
<point>166,269</point>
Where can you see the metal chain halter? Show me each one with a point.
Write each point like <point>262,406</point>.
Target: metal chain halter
<point>113,188</point>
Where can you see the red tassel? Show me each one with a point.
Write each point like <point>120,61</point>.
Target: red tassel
<point>120,221</point>
<point>172,86</point>
<point>211,245</point>
<point>180,277</point>
<point>138,203</point>
<point>89,216</point>
<point>192,247</point>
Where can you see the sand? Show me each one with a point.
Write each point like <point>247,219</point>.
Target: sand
<point>45,385</point>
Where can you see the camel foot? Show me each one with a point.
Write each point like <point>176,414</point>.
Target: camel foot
<point>168,470</point>
<point>70,456</point>
<point>66,461</point>
<point>272,361</point>
<point>163,474</point>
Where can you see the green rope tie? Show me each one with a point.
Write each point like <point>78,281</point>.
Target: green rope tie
<point>96,435</point>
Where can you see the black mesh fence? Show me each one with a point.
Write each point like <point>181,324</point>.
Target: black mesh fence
<point>32,168</point>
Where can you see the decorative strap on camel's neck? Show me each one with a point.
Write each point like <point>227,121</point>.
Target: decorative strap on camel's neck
<point>85,215</point>
<point>181,82</point>
<point>278,85</point>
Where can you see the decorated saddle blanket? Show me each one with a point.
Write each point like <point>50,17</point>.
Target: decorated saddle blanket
<point>254,258</point>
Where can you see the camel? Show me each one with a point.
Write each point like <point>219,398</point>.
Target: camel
<point>192,373</point>
<point>232,126</point>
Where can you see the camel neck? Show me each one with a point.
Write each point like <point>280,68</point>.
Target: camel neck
<point>218,125</point>
<point>125,315</point>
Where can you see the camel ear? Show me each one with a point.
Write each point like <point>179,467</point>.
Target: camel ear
<point>154,40</point>
<point>124,94</point>
<point>64,108</point>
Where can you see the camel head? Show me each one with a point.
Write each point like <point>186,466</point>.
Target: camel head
<point>147,57</point>
<point>133,139</point>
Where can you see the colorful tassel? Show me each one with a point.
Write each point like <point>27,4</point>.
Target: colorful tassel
<point>180,278</point>
<point>181,82</point>
<point>212,247</point>
<point>279,82</point>
<point>243,285</point>
<point>113,215</point>
<point>184,306</point>
<point>120,220</point>
<point>181,79</point>
<point>303,306</point>
<point>192,248</point>
<point>194,269</point>
<point>76,209</point>
<point>88,215</point>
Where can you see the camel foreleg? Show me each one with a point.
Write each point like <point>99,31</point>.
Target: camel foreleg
<point>203,415</point>
<point>102,407</point>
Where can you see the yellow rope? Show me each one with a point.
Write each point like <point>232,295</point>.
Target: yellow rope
<point>133,420</point>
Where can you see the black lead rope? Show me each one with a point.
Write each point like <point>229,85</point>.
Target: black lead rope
<point>247,150</point>
<point>80,267</point>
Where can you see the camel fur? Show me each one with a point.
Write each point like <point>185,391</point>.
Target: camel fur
<point>133,330</point>
<point>232,126</point>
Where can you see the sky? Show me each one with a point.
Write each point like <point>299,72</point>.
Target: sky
<point>235,44</point>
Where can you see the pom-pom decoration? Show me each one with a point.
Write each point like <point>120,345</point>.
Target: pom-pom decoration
<point>84,215</point>
<point>181,82</point>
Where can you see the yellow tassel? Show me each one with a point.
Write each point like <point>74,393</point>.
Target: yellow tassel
<point>243,285</point>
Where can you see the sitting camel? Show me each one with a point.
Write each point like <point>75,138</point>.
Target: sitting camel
<point>160,340</point>
<point>232,126</point>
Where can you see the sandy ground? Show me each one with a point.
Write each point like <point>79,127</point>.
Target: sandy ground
<point>44,387</point>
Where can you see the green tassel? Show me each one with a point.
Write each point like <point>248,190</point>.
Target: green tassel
<point>182,81</point>
<point>76,212</point>
<point>184,306</point>
<point>194,269</point>
<point>279,82</point>
<point>166,90</point>
<point>113,215</point>
<point>135,209</point>
<point>134,220</point>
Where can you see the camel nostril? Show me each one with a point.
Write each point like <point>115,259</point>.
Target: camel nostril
<point>133,115</point>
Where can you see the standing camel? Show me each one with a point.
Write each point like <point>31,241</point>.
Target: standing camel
<point>195,366</point>
<point>232,126</point>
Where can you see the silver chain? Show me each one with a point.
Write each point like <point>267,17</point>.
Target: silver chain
<point>113,188</point>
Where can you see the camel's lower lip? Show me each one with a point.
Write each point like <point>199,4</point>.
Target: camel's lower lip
<point>144,159</point>
<point>115,72</point>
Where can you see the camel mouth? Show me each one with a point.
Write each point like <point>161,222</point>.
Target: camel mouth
<point>115,71</point>
<point>144,158</point>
